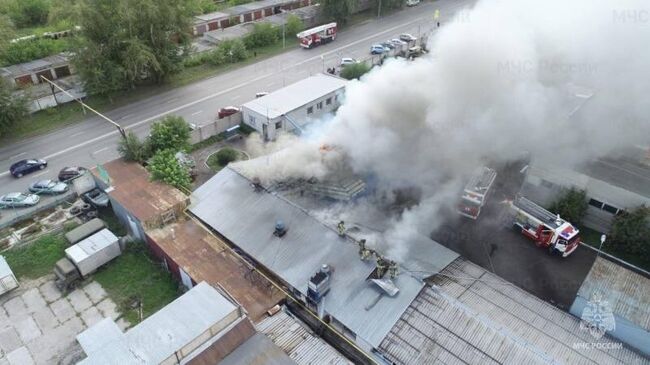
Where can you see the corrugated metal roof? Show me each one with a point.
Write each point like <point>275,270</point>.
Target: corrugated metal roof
<point>296,95</point>
<point>257,350</point>
<point>627,292</point>
<point>229,204</point>
<point>257,5</point>
<point>472,316</point>
<point>298,341</point>
<point>163,333</point>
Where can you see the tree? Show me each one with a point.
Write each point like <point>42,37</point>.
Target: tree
<point>226,155</point>
<point>388,5</point>
<point>337,10</point>
<point>572,205</point>
<point>132,149</point>
<point>122,45</point>
<point>263,34</point>
<point>171,133</point>
<point>13,108</point>
<point>199,7</point>
<point>354,71</point>
<point>630,232</point>
<point>231,51</point>
<point>165,167</point>
<point>293,26</point>
<point>6,33</point>
<point>27,13</point>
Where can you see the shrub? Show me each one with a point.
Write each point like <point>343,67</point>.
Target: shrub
<point>263,34</point>
<point>26,13</point>
<point>171,133</point>
<point>165,167</point>
<point>630,232</point>
<point>571,206</point>
<point>13,108</point>
<point>231,51</point>
<point>28,50</point>
<point>354,71</point>
<point>293,26</point>
<point>131,148</point>
<point>226,155</point>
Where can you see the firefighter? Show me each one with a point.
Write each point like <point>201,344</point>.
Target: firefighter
<point>382,265</point>
<point>341,228</point>
<point>392,269</point>
<point>364,253</point>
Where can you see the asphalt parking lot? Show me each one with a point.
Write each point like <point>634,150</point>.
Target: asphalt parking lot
<point>492,243</point>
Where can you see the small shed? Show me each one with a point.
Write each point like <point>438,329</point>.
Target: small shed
<point>8,280</point>
<point>94,251</point>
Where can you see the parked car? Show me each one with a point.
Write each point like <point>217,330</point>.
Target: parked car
<point>227,111</point>
<point>71,172</point>
<point>407,37</point>
<point>48,187</point>
<point>377,49</point>
<point>397,42</point>
<point>412,2</point>
<point>18,200</point>
<point>96,198</point>
<point>24,167</point>
<point>388,45</point>
<point>348,61</point>
<point>261,93</point>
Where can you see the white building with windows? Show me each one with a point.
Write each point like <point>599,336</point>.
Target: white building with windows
<point>294,107</point>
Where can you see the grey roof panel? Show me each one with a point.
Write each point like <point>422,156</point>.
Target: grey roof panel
<point>257,350</point>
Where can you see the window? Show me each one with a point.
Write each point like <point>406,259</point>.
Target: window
<point>547,184</point>
<point>328,101</point>
<point>319,105</point>
<point>610,209</point>
<point>310,110</point>
<point>596,203</point>
<point>278,125</point>
<point>251,120</point>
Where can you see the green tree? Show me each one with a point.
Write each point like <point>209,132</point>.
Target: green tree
<point>27,13</point>
<point>165,167</point>
<point>388,5</point>
<point>630,232</point>
<point>337,10</point>
<point>171,133</point>
<point>231,51</point>
<point>132,148</point>
<point>13,108</point>
<point>122,45</point>
<point>293,26</point>
<point>354,71</point>
<point>6,33</point>
<point>572,205</point>
<point>263,34</point>
<point>226,155</point>
<point>199,7</point>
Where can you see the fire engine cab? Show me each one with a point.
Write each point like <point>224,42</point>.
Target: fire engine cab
<point>316,36</point>
<point>546,229</point>
<point>476,192</point>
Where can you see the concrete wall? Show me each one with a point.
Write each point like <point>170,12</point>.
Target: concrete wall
<point>218,126</point>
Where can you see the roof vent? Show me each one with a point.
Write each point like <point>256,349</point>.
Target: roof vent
<point>319,284</point>
<point>257,184</point>
<point>280,229</point>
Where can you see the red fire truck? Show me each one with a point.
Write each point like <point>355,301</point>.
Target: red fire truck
<point>316,36</point>
<point>476,192</point>
<point>546,229</point>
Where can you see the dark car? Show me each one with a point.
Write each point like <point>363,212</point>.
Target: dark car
<point>24,167</point>
<point>96,197</point>
<point>71,173</point>
<point>48,187</point>
<point>227,111</point>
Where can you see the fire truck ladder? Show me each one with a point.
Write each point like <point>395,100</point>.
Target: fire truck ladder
<point>537,211</point>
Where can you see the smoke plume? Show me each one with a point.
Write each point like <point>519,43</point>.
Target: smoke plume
<point>565,81</point>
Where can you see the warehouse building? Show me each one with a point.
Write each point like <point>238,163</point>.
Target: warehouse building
<point>613,184</point>
<point>294,107</point>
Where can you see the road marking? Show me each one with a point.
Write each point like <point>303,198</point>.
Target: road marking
<point>225,91</point>
<point>18,155</point>
<point>101,150</point>
<point>126,116</point>
<point>76,134</point>
<point>197,113</point>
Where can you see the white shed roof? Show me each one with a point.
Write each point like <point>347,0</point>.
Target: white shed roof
<point>296,95</point>
<point>5,270</point>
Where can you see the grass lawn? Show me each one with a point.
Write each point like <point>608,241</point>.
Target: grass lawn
<point>136,275</point>
<point>37,258</point>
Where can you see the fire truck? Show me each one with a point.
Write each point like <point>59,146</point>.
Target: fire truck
<point>546,229</point>
<point>476,192</point>
<point>316,36</point>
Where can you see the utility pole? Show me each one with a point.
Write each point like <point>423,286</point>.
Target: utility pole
<point>379,9</point>
<point>284,43</point>
<point>84,105</point>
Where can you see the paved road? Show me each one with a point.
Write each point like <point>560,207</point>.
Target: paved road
<point>93,141</point>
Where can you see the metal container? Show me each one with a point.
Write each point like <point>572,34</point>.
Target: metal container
<point>84,230</point>
<point>8,280</point>
<point>94,251</point>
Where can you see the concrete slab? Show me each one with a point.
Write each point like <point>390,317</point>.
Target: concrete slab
<point>9,339</point>
<point>20,356</point>
<point>91,316</point>
<point>27,329</point>
<point>4,361</point>
<point>33,300</point>
<point>108,308</point>
<point>95,292</point>
<point>49,291</point>
<point>45,319</point>
<point>15,307</point>
<point>62,310</point>
<point>79,300</point>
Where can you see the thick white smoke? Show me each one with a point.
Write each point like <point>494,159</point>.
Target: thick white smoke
<point>505,77</point>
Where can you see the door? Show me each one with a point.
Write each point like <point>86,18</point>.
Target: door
<point>265,132</point>
<point>185,278</point>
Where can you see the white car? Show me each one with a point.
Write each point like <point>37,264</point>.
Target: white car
<point>407,37</point>
<point>397,42</point>
<point>412,2</point>
<point>348,61</point>
<point>17,200</point>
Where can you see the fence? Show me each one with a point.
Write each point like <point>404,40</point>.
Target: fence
<point>205,131</point>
